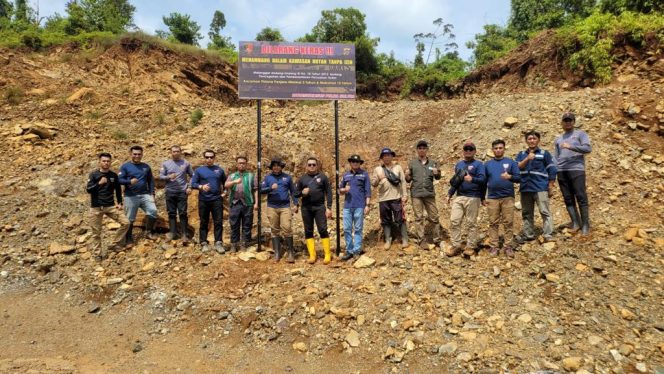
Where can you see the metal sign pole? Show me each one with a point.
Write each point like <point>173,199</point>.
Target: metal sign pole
<point>336,160</point>
<point>259,234</point>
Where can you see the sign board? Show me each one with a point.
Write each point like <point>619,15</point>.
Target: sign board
<point>296,71</point>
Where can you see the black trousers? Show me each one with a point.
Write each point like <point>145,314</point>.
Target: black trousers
<point>573,187</point>
<point>311,214</point>
<point>391,211</point>
<point>205,209</point>
<point>176,204</point>
<point>241,216</point>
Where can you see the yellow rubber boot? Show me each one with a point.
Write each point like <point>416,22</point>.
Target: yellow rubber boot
<point>311,247</point>
<point>326,249</point>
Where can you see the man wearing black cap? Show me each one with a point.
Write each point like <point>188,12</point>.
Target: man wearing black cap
<point>391,182</point>
<point>570,150</point>
<point>421,173</point>
<point>315,194</point>
<point>280,190</point>
<point>356,187</point>
<point>466,205</point>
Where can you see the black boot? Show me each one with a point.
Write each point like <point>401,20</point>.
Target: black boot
<point>129,238</point>
<point>276,246</point>
<point>585,221</point>
<point>574,216</point>
<point>291,251</point>
<point>149,227</point>
<point>184,227</point>
<point>172,227</point>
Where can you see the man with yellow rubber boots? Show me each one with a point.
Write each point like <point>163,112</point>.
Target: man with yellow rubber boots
<point>315,194</point>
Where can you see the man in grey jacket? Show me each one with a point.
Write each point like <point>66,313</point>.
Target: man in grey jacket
<point>420,174</point>
<point>177,172</point>
<point>570,150</point>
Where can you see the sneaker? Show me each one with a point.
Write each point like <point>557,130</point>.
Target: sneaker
<point>404,244</point>
<point>509,252</point>
<point>151,235</point>
<point>170,236</point>
<point>204,247</point>
<point>493,251</point>
<point>347,256</point>
<point>219,248</point>
<point>452,251</point>
<point>548,238</point>
<point>424,245</point>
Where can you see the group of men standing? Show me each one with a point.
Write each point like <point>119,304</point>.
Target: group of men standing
<point>474,184</point>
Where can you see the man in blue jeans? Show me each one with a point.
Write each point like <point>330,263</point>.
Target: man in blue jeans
<point>137,178</point>
<point>356,187</point>
<point>209,180</point>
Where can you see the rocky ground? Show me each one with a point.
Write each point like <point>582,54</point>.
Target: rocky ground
<point>580,305</point>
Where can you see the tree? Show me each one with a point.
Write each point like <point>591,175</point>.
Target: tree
<point>343,25</point>
<point>114,16</point>
<point>22,12</point>
<point>639,6</point>
<point>217,41</point>
<point>182,28</point>
<point>269,34</point>
<point>495,42</point>
<point>535,15</point>
<point>445,33</point>
<point>5,9</point>
<point>419,57</point>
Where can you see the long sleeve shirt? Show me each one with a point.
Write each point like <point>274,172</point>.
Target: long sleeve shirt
<point>574,157</point>
<point>320,191</point>
<point>474,188</point>
<point>360,188</point>
<point>422,177</point>
<point>538,172</point>
<point>386,190</point>
<point>142,172</point>
<point>102,195</point>
<point>244,192</point>
<point>182,169</point>
<point>496,186</point>
<point>281,197</point>
<point>213,176</point>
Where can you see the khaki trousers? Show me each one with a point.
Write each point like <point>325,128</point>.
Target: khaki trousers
<point>466,209</point>
<point>280,221</point>
<point>501,210</point>
<point>428,204</point>
<point>95,217</point>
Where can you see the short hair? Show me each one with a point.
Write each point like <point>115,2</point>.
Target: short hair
<point>496,142</point>
<point>176,147</point>
<point>532,133</point>
<point>105,154</point>
<point>314,159</point>
<point>136,148</point>
<point>209,151</point>
<point>241,157</point>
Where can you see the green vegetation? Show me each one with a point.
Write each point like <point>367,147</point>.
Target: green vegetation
<point>120,135</point>
<point>13,95</point>
<point>588,43</point>
<point>196,116</point>
<point>269,34</point>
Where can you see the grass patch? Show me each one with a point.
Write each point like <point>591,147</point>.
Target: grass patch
<point>160,119</point>
<point>120,135</point>
<point>95,114</point>
<point>196,116</point>
<point>13,95</point>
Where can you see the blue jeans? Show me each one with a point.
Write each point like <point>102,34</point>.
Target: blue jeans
<point>145,202</point>
<point>353,224</point>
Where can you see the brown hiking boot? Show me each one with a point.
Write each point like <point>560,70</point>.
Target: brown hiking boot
<point>452,251</point>
<point>469,251</point>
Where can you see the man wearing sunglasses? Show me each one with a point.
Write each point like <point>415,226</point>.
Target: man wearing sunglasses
<point>356,188</point>
<point>242,200</point>
<point>466,205</point>
<point>570,150</point>
<point>209,180</point>
<point>137,178</point>
<point>420,174</point>
<point>315,194</point>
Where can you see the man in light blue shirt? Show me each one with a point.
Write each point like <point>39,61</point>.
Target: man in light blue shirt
<point>176,172</point>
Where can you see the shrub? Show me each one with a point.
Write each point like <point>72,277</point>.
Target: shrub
<point>120,135</point>
<point>13,95</point>
<point>196,116</point>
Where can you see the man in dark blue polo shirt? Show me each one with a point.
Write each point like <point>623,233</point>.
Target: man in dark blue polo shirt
<point>356,187</point>
<point>280,190</point>
<point>209,180</point>
<point>137,178</point>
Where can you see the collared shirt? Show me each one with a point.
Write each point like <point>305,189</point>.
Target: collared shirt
<point>214,176</point>
<point>360,188</point>
<point>142,172</point>
<point>538,172</point>
<point>281,197</point>
<point>496,186</point>
<point>474,188</point>
<point>422,177</point>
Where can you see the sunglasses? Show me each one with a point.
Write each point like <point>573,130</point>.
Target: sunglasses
<point>468,149</point>
<point>568,120</point>
<point>209,157</point>
<point>137,154</point>
<point>311,165</point>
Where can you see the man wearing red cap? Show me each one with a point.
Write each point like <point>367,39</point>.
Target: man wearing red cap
<point>466,205</point>
<point>390,180</point>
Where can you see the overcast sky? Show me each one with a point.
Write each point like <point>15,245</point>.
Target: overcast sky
<point>394,22</point>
